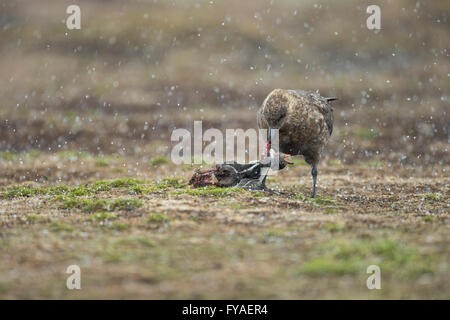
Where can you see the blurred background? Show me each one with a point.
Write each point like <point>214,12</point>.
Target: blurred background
<point>138,69</point>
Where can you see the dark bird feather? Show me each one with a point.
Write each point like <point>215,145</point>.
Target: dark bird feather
<point>305,123</point>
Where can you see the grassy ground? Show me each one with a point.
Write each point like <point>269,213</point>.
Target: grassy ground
<point>153,237</point>
<point>85,176</point>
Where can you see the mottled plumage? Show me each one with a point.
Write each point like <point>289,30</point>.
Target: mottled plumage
<point>304,120</point>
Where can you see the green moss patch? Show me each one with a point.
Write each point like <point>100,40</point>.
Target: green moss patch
<point>209,191</point>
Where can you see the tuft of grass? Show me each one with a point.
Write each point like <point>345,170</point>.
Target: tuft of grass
<point>75,191</point>
<point>433,197</point>
<point>428,218</point>
<point>175,182</point>
<point>58,226</point>
<point>69,191</point>
<point>158,160</point>
<point>125,204</point>
<point>157,218</point>
<point>209,191</point>
<point>61,191</point>
<point>101,185</point>
<point>137,190</point>
<point>86,205</point>
<point>103,216</point>
<point>58,190</point>
<point>20,191</point>
<point>162,185</point>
